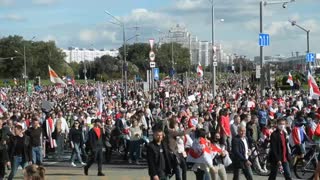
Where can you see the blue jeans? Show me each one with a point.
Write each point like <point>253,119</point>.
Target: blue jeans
<point>16,162</point>
<point>135,149</point>
<point>37,155</point>
<point>76,152</point>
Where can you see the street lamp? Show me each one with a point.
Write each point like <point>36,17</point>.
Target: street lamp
<point>121,23</point>
<point>265,3</point>
<point>213,60</point>
<point>294,23</point>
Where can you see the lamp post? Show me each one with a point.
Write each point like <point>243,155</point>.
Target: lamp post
<point>265,3</point>
<point>121,23</point>
<point>24,65</point>
<point>213,60</point>
<point>294,23</point>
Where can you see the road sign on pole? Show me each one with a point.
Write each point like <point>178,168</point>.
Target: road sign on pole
<point>152,64</point>
<point>152,56</point>
<point>310,57</point>
<point>156,74</point>
<point>264,39</point>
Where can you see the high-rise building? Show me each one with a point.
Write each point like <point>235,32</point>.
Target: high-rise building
<point>74,54</point>
<point>200,51</point>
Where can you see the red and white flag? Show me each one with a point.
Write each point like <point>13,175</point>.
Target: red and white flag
<point>2,109</point>
<point>313,87</point>
<point>54,78</point>
<point>3,96</point>
<point>199,70</point>
<point>290,80</point>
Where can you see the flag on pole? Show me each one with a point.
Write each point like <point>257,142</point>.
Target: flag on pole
<point>100,101</point>
<point>290,79</point>
<point>54,78</point>
<point>3,96</point>
<point>313,87</point>
<point>200,70</point>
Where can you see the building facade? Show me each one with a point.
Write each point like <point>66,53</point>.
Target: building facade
<point>74,54</point>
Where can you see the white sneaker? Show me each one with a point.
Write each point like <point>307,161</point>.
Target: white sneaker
<point>73,164</point>
<point>83,164</point>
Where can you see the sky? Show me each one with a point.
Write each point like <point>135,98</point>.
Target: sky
<point>84,23</point>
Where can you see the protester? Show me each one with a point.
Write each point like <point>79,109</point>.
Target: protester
<point>4,157</point>
<point>241,152</point>
<point>76,141</point>
<point>218,160</point>
<point>95,144</point>
<point>279,151</point>
<point>20,150</point>
<point>36,139</point>
<point>158,157</point>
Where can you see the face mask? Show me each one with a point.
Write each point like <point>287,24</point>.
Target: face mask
<point>282,127</point>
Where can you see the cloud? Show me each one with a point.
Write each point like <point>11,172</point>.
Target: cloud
<point>49,38</point>
<point>91,36</point>
<point>13,17</point>
<point>44,2</point>
<point>149,19</point>
<point>6,2</point>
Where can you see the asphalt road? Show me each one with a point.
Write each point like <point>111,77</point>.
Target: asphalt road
<point>121,171</point>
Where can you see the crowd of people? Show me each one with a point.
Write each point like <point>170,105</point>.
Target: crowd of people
<point>188,127</point>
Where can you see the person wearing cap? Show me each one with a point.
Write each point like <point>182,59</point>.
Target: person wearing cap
<point>19,150</point>
<point>95,145</point>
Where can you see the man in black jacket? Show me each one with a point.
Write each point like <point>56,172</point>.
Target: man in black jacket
<point>95,145</point>
<point>20,150</point>
<point>240,154</point>
<point>4,157</point>
<point>279,152</point>
<point>159,166</point>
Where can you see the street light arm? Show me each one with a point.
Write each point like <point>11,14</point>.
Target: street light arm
<point>113,17</point>
<point>132,37</point>
<point>118,24</point>
<point>302,28</point>
<point>294,23</point>
<point>265,2</point>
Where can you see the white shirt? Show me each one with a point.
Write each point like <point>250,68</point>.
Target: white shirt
<point>64,125</point>
<point>246,147</point>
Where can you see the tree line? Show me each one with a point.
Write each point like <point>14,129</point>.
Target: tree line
<point>40,54</point>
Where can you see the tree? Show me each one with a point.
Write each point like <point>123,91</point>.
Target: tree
<point>39,55</point>
<point>181,57</point>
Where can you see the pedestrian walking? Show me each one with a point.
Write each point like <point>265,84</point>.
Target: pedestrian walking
<point>241,152</point>
<point>279,152</point>
<point>76,141</point>
<point>19,149</point>
<point>159,165</point>
<point>95,145</point>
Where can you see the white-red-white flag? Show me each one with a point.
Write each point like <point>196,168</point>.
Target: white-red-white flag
<point>54,78</point>
<point>3,96</point>
<point>199,70</point>
<point>313,87</point>
<point>290,79</point>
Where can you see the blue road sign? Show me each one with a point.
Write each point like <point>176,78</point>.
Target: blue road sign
<point>156,74</point>
<point>310,57</point>
<point>264,39</point>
